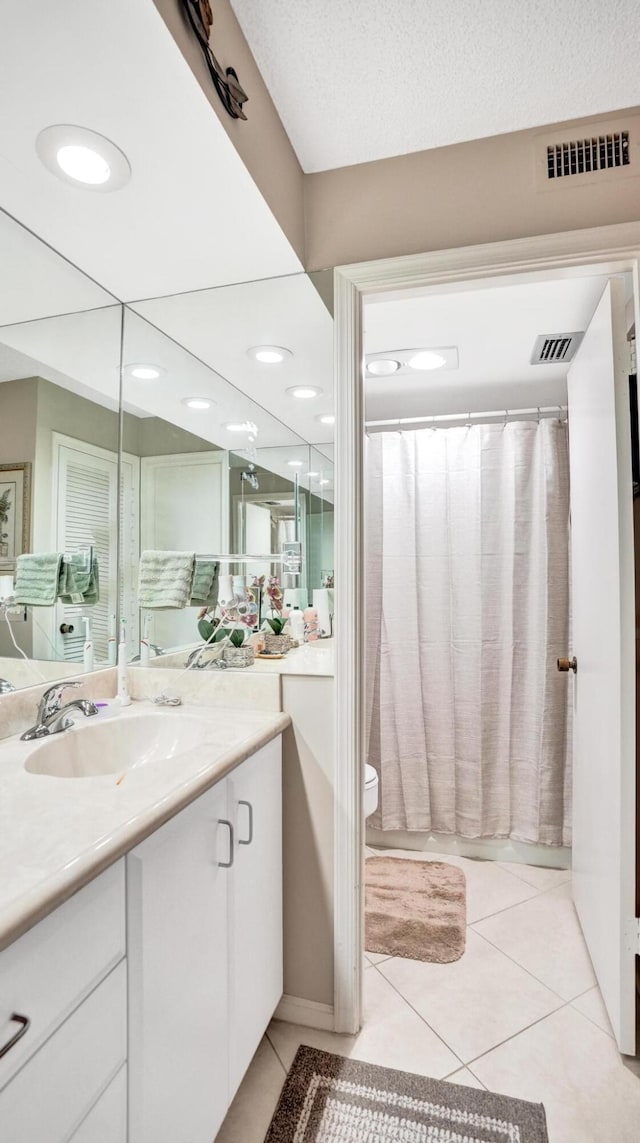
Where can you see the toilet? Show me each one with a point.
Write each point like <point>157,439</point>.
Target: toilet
<point>370,790</point>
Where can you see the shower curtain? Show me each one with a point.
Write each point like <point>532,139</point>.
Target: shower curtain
<point>467,604</point>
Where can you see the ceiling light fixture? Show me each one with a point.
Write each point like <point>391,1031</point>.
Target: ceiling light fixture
<point>269,354</point>
<point>312,475</point>
<point>83,157</point>
<point>304,392</point>
<point>426,359</point>
<point>143,372</point>
<point>324,481</point>
<point>294,463</point>
<point>326,418</point>
<point>197,402</point>
<point>383,366</point>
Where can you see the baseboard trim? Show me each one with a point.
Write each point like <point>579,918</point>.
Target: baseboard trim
<point>308,1013</point>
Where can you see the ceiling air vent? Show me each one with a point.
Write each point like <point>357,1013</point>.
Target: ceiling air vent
<point>586,156</point>
<point>555,348</point>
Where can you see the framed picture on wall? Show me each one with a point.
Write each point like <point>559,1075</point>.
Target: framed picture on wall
<point>15,512</point>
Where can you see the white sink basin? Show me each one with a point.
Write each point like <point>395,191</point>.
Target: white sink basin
<point>91,749</point>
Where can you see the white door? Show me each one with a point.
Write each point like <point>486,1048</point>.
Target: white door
<point>183,507</point>
<point>604,646</point>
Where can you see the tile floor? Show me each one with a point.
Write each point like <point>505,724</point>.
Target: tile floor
<point>520,1013</point>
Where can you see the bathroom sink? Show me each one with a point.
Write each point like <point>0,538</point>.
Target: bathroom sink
<point>116,745</point>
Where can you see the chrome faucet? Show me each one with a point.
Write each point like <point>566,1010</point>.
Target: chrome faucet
<point>6,687</point>
<point>157,651</point>
<point>52,716</point>
<point>194,661</point>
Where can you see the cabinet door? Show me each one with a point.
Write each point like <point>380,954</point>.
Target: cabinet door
<point>177,904</point>
<point>107,1120</point>
<point>255,905</point>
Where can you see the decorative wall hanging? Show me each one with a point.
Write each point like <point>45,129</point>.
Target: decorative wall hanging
<point>226,82</point>
<point>15,512</point>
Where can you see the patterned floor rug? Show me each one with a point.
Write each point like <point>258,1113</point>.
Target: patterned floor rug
<point>415,909</point>
<point>330,1099</point>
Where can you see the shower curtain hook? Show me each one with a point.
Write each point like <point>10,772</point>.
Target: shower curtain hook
<point>538,414</point>
<point>506,416</point>
<point>469,421</point>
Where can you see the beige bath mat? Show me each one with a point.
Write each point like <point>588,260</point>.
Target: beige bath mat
<point>415,909</point>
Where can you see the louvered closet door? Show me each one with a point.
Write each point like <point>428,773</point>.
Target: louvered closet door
<point>87,515</point>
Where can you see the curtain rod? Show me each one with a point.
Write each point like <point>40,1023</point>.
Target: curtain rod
<point>496,416</point>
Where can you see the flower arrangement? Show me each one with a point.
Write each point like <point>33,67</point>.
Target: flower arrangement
<point>274,593</point>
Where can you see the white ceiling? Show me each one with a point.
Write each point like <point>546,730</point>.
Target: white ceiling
<point>494,329</point>
<point>220,325</point>
<point>359,81</point>
<point>191,216</point>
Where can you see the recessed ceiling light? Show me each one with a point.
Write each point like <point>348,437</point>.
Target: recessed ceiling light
<point>83,157</point>
<point>326,418</point>
<point>269,354</point>
<point>304,392</point>
<point>311,475</point>
<point>144,372</point>
<point>197,402</point>
<point>294,463</point>
<point>426,359</point>
<point>383,366</point>
<point>324,481</point>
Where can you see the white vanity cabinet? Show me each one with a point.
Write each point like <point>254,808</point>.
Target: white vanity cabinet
<point>67,978</point>
<point>204,898</point>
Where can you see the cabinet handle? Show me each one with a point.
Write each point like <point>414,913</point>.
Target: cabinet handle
<point>249,839</point>
<point>229,863</point>
<point>24,1022</point>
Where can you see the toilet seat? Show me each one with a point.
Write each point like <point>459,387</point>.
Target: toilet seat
<point>370,790</point>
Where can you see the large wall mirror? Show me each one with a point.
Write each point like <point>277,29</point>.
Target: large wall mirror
<point>196,423</point>
<point>231,389</point>
<point>60,338</point>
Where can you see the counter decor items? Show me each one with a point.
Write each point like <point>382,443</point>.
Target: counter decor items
<point>236,650</point>
<point>276,640</point>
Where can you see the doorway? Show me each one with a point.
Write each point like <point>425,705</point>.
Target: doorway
<point>563,257</point>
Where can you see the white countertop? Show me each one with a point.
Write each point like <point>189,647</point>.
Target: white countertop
<point>317,658</point>
<point>57,834</point>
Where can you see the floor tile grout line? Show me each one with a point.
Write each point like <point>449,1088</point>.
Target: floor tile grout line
<point>418,1014</point>
<point>533,976</point>
<point>514,1036</point>
<point>447,1078</point>
<point>551,869</point>
<point>276,1053</point>
<point>516,904</point>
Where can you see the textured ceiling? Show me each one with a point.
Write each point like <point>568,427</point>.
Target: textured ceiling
<point>359,81</point>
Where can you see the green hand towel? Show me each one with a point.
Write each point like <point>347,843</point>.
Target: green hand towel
<point>204,592</point>
<point>37,578</point>
<point>165,579</point>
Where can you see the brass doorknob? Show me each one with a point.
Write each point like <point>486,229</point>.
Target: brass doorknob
<point>568,664</point>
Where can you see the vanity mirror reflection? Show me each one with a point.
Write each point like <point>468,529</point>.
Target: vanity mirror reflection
<point>229,385</point>
<point>60,338</point>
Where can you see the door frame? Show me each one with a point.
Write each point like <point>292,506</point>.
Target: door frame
<point>606,250</point>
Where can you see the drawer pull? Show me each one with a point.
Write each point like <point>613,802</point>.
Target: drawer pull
<point>24,1022</point>
<point>229,863</point>
<point>249,839</point>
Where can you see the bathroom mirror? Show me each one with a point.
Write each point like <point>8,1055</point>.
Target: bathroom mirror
<point>214,378</point>
<point>60,340</point>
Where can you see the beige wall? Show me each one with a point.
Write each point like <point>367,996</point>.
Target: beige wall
<point>261,140</point>
<point>471,193</point>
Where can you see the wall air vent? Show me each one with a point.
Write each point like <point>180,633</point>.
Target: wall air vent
<point>585,156</point>
<point>555,348</point>
<point>589,154</point>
